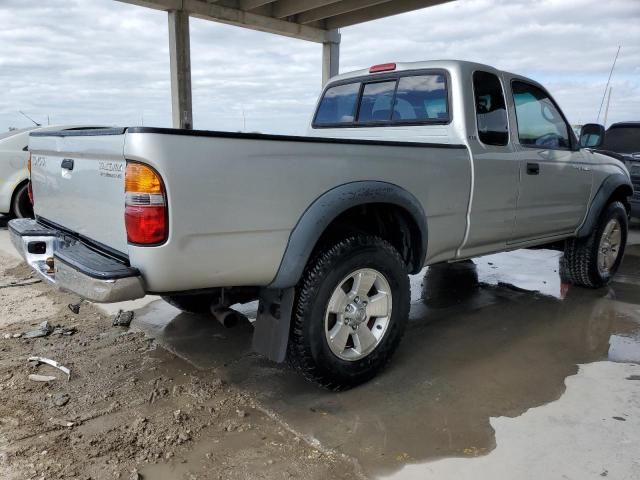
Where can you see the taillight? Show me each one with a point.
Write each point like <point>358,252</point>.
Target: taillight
<point>145,212</point>
<point>29,189</point>
<point>383,67</point>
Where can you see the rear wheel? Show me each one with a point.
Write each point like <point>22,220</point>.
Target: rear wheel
<point>593,261</point>
<point>21,206</point>
<point>350,312</point>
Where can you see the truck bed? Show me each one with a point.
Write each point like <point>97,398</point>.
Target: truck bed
<point>233,196</point>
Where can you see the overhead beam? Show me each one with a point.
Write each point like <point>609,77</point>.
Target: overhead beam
<point>180,66</point>
<point>232,16</point>
<point>165,5</point>
<point>287,8</point>
<point>251,4</point>
<point>345,6</point>
<point>379,11</point>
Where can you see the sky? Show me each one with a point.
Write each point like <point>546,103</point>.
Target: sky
<point>105,62</point>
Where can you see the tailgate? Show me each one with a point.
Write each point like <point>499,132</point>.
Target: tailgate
<point>78,182</point>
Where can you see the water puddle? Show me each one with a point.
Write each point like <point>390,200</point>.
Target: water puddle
<point>486,339</point>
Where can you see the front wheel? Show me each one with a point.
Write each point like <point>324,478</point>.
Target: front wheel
<point>593,261</point>
<point>350,312</point>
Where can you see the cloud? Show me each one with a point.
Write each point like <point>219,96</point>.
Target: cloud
<point>101,61</point>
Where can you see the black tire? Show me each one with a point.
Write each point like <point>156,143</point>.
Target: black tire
<point>190,303</point>
<point>21,206</point>
<point>580,260</point>
<point>308,349</point>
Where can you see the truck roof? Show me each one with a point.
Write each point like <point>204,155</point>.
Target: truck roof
<point>462,65</point>
<point>633,124</point>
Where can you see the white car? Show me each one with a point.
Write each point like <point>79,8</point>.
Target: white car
<point>14,177</point>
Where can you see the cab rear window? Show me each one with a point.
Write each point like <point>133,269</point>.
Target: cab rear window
<point>409,99</point>
<point>338,104</point>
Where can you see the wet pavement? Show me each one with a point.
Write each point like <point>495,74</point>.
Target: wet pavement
<point>499,357</point>
<point>489,338</point>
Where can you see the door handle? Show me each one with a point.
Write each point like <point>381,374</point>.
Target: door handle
<point>533,168</point>
<point>67,164</point>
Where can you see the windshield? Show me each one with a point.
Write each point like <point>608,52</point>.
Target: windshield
<point>622,139</point>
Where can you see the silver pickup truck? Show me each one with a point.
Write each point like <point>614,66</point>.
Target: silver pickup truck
<point>404,165</point>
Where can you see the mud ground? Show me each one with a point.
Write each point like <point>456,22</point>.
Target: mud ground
<point>129,404</point>
<point>505,372</point>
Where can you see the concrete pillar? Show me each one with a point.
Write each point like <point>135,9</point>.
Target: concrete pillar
<point>180,62</point>
<point>330,56</point>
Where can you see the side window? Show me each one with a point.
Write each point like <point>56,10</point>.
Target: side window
<point>491,113</point>
<point>375,105</point>
<point>338,104</point>
<point>422,97</point>
<point>540,123</point>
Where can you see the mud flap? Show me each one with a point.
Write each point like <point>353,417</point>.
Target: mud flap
<point>271,334</point>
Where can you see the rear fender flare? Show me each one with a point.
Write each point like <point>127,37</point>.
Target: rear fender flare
<point>329,206</point>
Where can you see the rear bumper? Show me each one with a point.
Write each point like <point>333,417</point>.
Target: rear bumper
<point>77,267</point>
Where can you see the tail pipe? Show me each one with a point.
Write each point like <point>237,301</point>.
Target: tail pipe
<point>226,316</point>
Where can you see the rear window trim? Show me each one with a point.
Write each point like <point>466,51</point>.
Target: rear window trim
<point>382,77</point>
<point>359,101</point>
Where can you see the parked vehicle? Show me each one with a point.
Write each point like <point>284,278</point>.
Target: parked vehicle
<point>622,140</point>
<point>14,177</point>
<point>405,165</point>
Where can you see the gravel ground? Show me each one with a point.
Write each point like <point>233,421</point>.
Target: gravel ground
<point>130,409</point>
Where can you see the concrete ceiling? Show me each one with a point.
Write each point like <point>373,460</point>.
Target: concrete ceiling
<point>313,20</point>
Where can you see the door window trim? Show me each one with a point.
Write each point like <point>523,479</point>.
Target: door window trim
<point>506,110</point>
<point>570,134</point>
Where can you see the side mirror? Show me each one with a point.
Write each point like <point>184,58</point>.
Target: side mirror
<point>591,135</point>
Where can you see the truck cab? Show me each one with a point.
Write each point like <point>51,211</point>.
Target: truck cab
<point>531,180</point>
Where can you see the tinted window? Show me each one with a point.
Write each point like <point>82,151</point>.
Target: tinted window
<point>338,104</point>
<point>375,105</point>
<point>539,121</point>
<point>421,98</point>
<point>622,139</point>
<point>491,113</point>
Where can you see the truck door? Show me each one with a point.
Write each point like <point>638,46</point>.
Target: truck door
<point>555,178</point>
<point>495,172</point>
